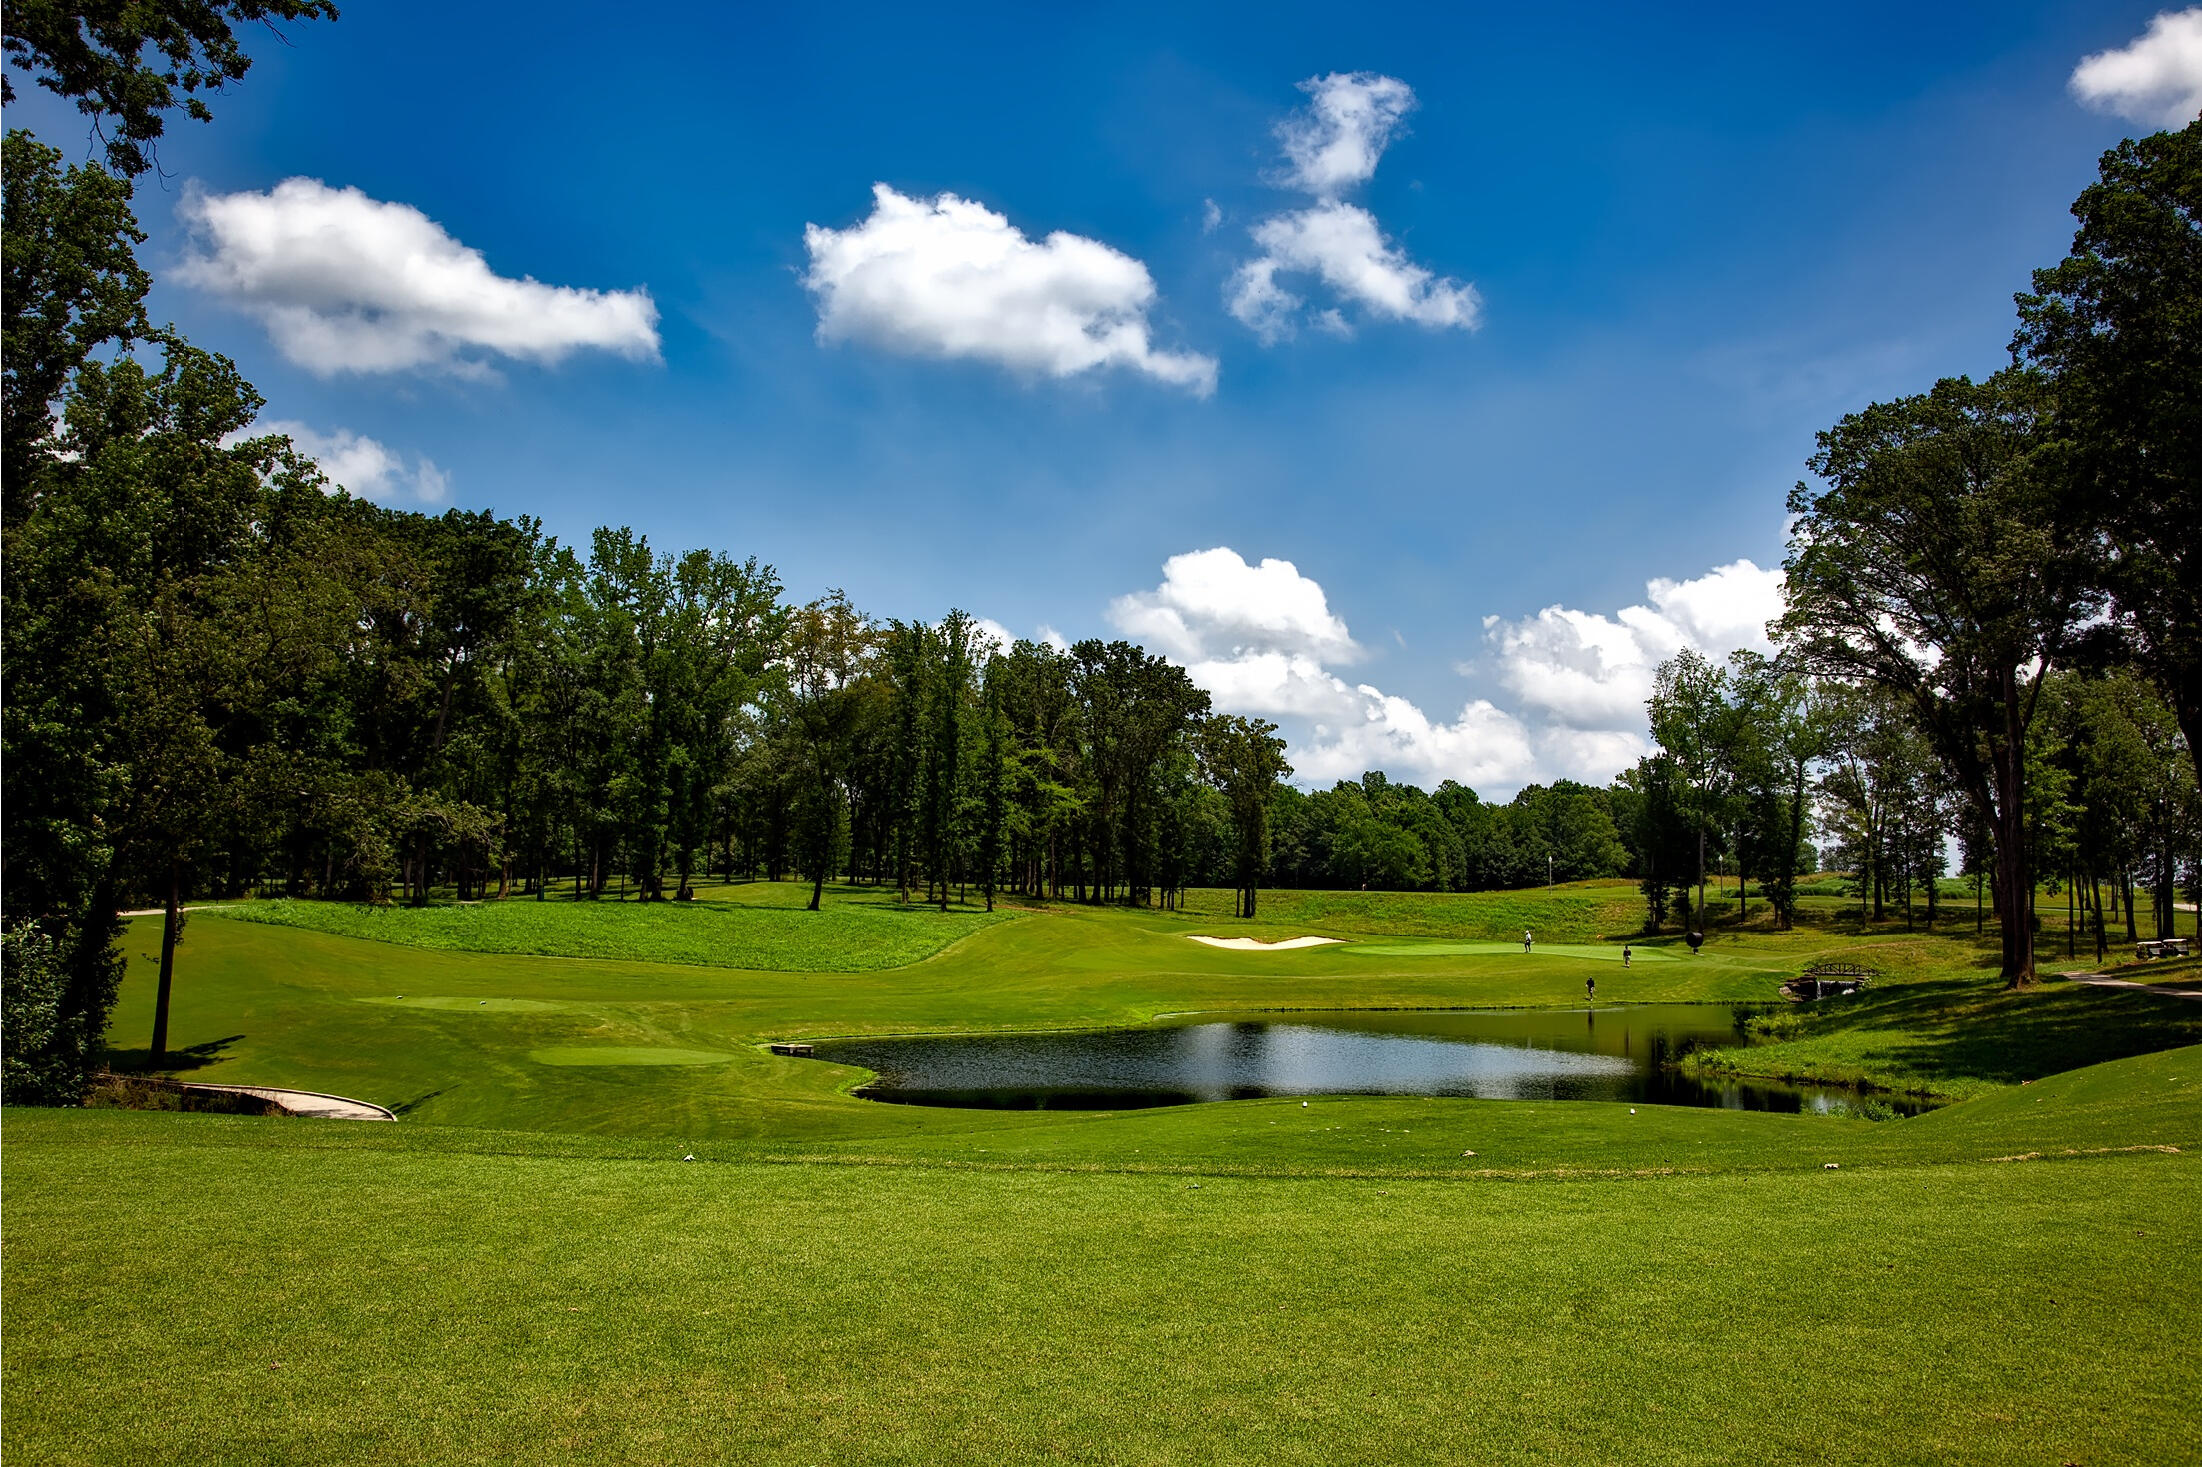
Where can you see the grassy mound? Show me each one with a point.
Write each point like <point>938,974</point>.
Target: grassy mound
<point>848,936</point>
<point>1956,1037</point>
<point>1352,1280</point>
<point>558,1299</point>
<point>1581,911</point>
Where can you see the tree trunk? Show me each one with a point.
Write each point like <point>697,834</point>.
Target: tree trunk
<point>1701,867</point>
<point>171,921</point>
<point>2014,871</point>
<point>2102,935</point>
<point>1786,918</point>
<point>825,842</point>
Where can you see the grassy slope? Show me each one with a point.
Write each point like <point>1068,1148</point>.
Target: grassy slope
<point>278,1005</point>
<point>405,1294</point>
<point>762,925</point>
<point>408,1026</point>
<point>1962,1036</point>
<point>1250,1282</point>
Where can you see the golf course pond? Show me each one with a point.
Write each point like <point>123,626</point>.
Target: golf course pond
<point>1623,1053</point>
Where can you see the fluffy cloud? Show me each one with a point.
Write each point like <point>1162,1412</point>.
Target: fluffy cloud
<point>1336,142</point>
<point>346,283</point>
<point>362,464</point>
<point>2155,80</point>
<point>990,637</point>
<point>1212,601</point>
<point>946,277</point>
<point>1342,245</point>
<point>1485,747</point>
<point>1590,673</point>
<point>1263,641</point>
<point>1333,146</point>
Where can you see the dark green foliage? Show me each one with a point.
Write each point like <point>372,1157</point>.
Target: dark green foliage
<point>1947,562</point>
<point>1245,759</point>
<point>2118,325</point>
<point>48,1045</point>
<point>127,63</point>
<point>1388,836</point>
<point>72,286</point>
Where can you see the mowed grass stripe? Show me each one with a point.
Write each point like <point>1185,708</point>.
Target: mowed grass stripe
<point>315,1305</point>
<point>846,937</point>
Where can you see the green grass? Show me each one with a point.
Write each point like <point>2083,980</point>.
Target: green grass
<point>523,1268</point>
<point>515,1040</point>
<point>1957,1037</point>
<point>1583,910</point>
<point>456,1037</point>
<point>231,1291</point>
<point>770,931</point>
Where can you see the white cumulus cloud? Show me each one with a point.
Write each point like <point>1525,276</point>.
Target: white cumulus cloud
<point>1331,147</point>
<point>1342,245</point>
<point>1212,602</point>
<point>346,283</point>
<point>1336,142</point>
<point>1263,641</point>
<point>363,465</point>
<point>990,638</point>
<point>946,277</point>
<point>2155,80</point>
<point>1590,673</point>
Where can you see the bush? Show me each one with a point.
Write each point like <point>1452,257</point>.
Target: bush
<point>38,1064</point>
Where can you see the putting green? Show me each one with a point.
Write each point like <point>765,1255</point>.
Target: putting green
<point>1488,949</point>
<point>619,1054</point>
<point>494,1005</point>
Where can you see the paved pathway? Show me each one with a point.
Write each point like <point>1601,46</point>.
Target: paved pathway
<point>307,1102</point>
<point>2103,981</point>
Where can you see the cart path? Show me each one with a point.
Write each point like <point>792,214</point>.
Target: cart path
<point>307,1102</point>
<point>2103,981</point>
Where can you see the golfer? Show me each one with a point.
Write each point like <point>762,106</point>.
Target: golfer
<point>1624,955</point>
<point>1590,990</point>
<point>1528,938</point>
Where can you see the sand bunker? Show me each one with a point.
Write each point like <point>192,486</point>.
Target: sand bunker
<point>1256,945</point>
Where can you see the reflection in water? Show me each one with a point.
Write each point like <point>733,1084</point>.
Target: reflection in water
<point>1621,1053</point>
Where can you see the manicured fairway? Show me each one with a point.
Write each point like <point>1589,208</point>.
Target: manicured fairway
<point>1601,953</point>
<point>526,1268</point>
<point>514,1040</point>
<point>224,1291</point>
<point>755,925</point>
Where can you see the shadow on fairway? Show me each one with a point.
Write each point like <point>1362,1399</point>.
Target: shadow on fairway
<point>407,1107</point>
<point>1957,1029</point>
<point>191,1057</point>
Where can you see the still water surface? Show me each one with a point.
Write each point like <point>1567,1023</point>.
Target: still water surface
<point>1619,1053</point>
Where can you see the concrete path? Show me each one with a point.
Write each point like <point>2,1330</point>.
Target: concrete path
<point>2100,980</point>
<point>307,1102</point>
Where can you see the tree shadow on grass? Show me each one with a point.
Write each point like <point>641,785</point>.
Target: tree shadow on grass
<point>1968,1029</point>
<point>407,1107</point>
<point>176,1061</point>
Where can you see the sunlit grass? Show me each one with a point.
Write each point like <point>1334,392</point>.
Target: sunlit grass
<point>846,936</point>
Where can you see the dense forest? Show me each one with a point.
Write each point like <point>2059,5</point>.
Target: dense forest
<point>223,673</point>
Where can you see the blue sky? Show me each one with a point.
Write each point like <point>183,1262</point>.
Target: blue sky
<point>1691,240</point>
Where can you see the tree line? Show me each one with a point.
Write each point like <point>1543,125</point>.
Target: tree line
<point>1994,609</point>
<point>223,674</point>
